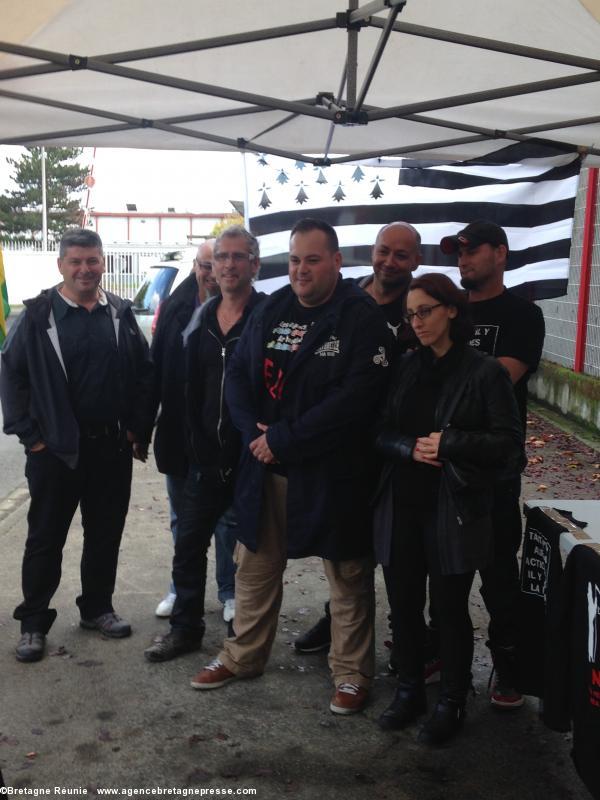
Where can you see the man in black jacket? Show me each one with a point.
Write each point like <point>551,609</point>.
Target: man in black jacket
<point>302,388</point>
<point>169,381</point>
<point>74,383</point>
<point>212,442</point>
<point>395,256</point>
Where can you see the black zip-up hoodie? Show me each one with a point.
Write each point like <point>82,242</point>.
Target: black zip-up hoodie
<point>212,442</point>
<point>33,382</point>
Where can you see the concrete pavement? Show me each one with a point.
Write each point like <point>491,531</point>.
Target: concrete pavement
<point>95,715</point>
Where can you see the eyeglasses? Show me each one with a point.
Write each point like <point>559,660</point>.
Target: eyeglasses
<point>207,265</point>
<point>421,313</point>
<point>237,258</point>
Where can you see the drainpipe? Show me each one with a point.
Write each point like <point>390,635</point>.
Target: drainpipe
<point>586,269</point>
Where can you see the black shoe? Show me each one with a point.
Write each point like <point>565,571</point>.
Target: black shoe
<point>445,722</point>
<point>406,706</point>
<point>173,644</point>
<point>316,639</point>
<point>31,647</point>
<point>109,624</point>
<point>503,692</point>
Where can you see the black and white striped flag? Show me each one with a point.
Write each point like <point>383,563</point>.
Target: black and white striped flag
<point>527,189</point>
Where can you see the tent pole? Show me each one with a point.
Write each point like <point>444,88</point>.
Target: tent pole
<point>278,104</point>
<point>351,61</point>
<point>221,41</point>
<point>586,269</point>
<point>383,39</point>
<point>484,96</point>
<point>510,48</point>
<point>44,203</point>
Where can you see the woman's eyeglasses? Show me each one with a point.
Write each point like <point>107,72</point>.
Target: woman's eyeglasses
<point>422,313</point>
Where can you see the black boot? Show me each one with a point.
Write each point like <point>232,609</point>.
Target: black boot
<point>504,680</point>
<point>447,719</point>
<point>408,703</point>
<point>316,638</point>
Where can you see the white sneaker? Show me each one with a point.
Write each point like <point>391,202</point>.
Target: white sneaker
<point>229,609</point>
<point>164,608</point>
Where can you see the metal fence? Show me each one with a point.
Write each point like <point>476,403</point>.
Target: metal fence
<point>126,265</point>
<point>561,313</point>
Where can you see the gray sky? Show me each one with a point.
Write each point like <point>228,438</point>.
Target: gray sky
<point>154,180</point>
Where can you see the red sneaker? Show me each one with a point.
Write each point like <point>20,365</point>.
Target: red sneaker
<point>505,697</point>
<point>213,676</point>
<point>348,699</point>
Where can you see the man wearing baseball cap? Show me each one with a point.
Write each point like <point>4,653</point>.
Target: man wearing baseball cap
<point>511,329</point>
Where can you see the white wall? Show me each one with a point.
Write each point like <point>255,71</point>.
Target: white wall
<point>28,273</point>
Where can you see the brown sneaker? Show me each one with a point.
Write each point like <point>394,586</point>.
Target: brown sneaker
<point>213,676</point>
<point>348,699</point>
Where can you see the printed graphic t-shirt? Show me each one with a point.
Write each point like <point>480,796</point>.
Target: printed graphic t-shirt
<point>508,325</point>
<point>282,344</point>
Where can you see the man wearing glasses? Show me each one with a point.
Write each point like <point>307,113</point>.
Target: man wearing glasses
<point>169,385</point>
<point>212,443</point>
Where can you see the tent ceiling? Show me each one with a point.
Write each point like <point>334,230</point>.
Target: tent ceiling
<point>451,80</point>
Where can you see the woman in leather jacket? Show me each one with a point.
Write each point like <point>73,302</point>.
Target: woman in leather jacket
<point>451,428</point>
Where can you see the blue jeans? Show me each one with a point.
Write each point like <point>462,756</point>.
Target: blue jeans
<point>225,538</point>
<point>175,484</point>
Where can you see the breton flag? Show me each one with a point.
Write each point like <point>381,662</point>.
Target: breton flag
<point>4,307</point>
<point>528,189</point>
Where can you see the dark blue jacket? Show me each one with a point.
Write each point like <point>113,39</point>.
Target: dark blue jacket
<point>324,436</point>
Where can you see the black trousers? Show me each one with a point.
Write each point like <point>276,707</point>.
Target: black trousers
<point>100,485</point>
<point>500,587</point>
<point>414,556</point>
<point>205,498</point>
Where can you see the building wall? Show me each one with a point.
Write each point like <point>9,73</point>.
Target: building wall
<point>561,313</point>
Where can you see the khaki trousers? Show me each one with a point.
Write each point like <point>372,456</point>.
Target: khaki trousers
<point>259,589</point>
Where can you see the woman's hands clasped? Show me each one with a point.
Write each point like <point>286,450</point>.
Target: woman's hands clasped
<point>426,449</point>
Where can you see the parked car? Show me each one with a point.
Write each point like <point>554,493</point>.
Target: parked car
<point>166,276</point>
<point>161,279</point>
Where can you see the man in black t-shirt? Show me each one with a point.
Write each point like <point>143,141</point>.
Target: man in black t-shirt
<point>511,329</point>
<point>395,256</point>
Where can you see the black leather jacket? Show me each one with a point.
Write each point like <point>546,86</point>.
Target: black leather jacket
<point>481,443</point>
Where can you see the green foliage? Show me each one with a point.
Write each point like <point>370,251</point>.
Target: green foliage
<point>21,208</point>
<point>230,219</point>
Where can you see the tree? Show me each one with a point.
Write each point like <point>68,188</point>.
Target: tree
<point>229,219</point>
<point>21,208</point>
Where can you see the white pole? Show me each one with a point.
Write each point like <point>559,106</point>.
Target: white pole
<point>246,210</point>
<point>44,207</point>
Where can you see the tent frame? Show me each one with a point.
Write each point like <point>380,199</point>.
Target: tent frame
<point>348,109</point>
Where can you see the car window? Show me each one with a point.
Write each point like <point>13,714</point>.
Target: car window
<point>154,290</point>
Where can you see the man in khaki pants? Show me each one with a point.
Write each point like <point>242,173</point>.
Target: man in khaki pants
<point>302,387</point>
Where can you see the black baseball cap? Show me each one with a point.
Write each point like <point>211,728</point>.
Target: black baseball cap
<point>473,235</point>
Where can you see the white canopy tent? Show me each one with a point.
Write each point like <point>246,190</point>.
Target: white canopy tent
<point>424,79</point>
